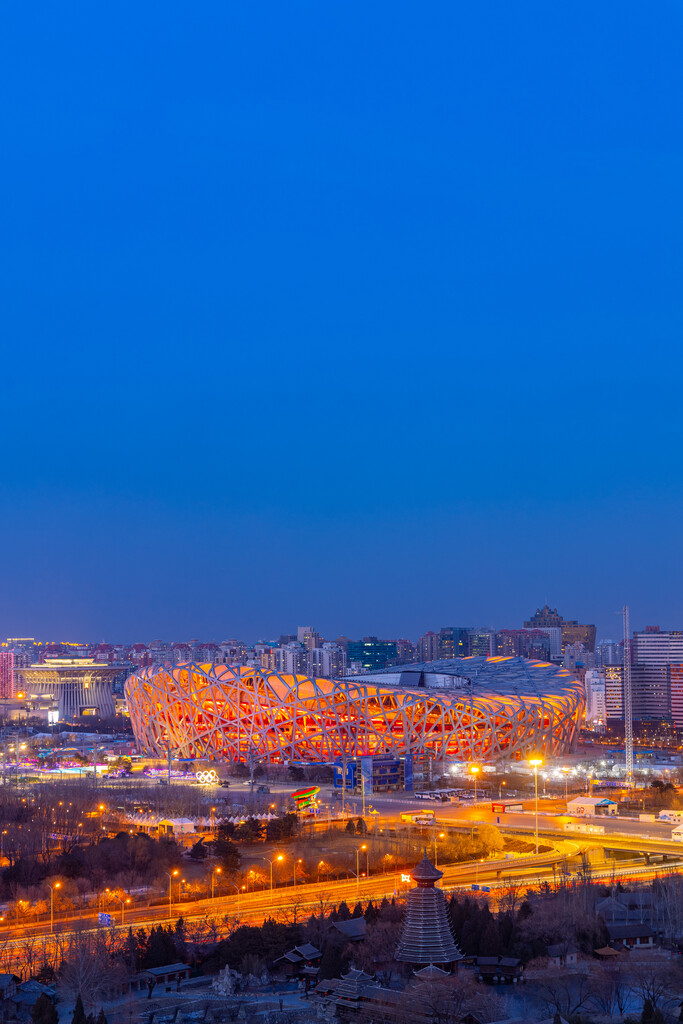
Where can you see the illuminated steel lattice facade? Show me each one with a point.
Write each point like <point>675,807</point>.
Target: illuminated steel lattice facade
<point>245,713</point>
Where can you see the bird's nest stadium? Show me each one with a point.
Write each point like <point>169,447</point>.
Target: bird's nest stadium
<point>464,709</point>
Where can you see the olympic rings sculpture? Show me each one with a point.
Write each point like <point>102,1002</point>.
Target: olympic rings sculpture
<point>207,778</point>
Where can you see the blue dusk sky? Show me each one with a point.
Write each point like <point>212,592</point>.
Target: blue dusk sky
<point>367,316</point>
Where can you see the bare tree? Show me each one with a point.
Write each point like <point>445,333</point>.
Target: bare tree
<point>657,981</point>
<point>611,988</point>
<point>565,992</point>
<point>88,966</point>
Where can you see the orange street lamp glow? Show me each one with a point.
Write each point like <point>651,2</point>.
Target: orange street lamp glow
<point>474,770</point>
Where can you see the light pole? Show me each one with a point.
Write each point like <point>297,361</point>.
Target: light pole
<point>474,770</point>
<point>52,895</point>
<point>441,836</point>
<point>566,776</point>
<point>216,871</point>
<point>122,906</point>
<point>279,857</point>
<point>500,789</point>
<point>535,763</point>
<point>358,849</point>
<point>170,892</point>
<point>294,869</point>
<point>238,895</point>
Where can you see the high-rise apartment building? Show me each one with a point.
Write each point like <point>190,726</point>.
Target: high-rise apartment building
<point>614,693</point>
<point>406,652</point>
<point>596,705</point>
<point>328,662</point>
<point>6,673</point>
<point>428,647</point>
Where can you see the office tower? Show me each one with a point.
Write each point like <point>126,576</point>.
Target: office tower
<point>596,707</point>
<point>372,653</point>
<point>676,684</point>
<point>6,673</point>
<point>573,632</point>
<point>655,646</point>
<point>651,693</point>
<point>482,642</point>
<point>428,647</point>
<point>453,642</point>
<point>655,650</point>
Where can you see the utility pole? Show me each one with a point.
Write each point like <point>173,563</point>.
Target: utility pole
<point>628,698</point>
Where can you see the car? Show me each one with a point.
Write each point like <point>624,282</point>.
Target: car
<point>225,784</point>
<point>263,789</point>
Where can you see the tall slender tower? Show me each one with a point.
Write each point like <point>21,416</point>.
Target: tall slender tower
<point>628,697</point>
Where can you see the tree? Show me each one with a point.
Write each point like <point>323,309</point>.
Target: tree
<point>332,962</point>
<point>198,851</point>
<point>79,1013</point>
<point>230,858</point>
<point>351,827</point>
<point>44,1012</point>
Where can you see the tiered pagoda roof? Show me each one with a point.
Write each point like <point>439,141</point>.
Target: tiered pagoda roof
<point>427,937</point>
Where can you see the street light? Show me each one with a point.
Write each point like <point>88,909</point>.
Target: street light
<point>52,895</point>
<point>216,871</point>
<point>500,789</point>
<point>474,770</point>
<point>358,849</point>
<point>170,892</point>
<point>535,763</point>
<point>279,857</point>
<point>122,906</point>
<point>566,776</point>
<point>238,895</point>
<point>294,869</point>
<point>442,835</point>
